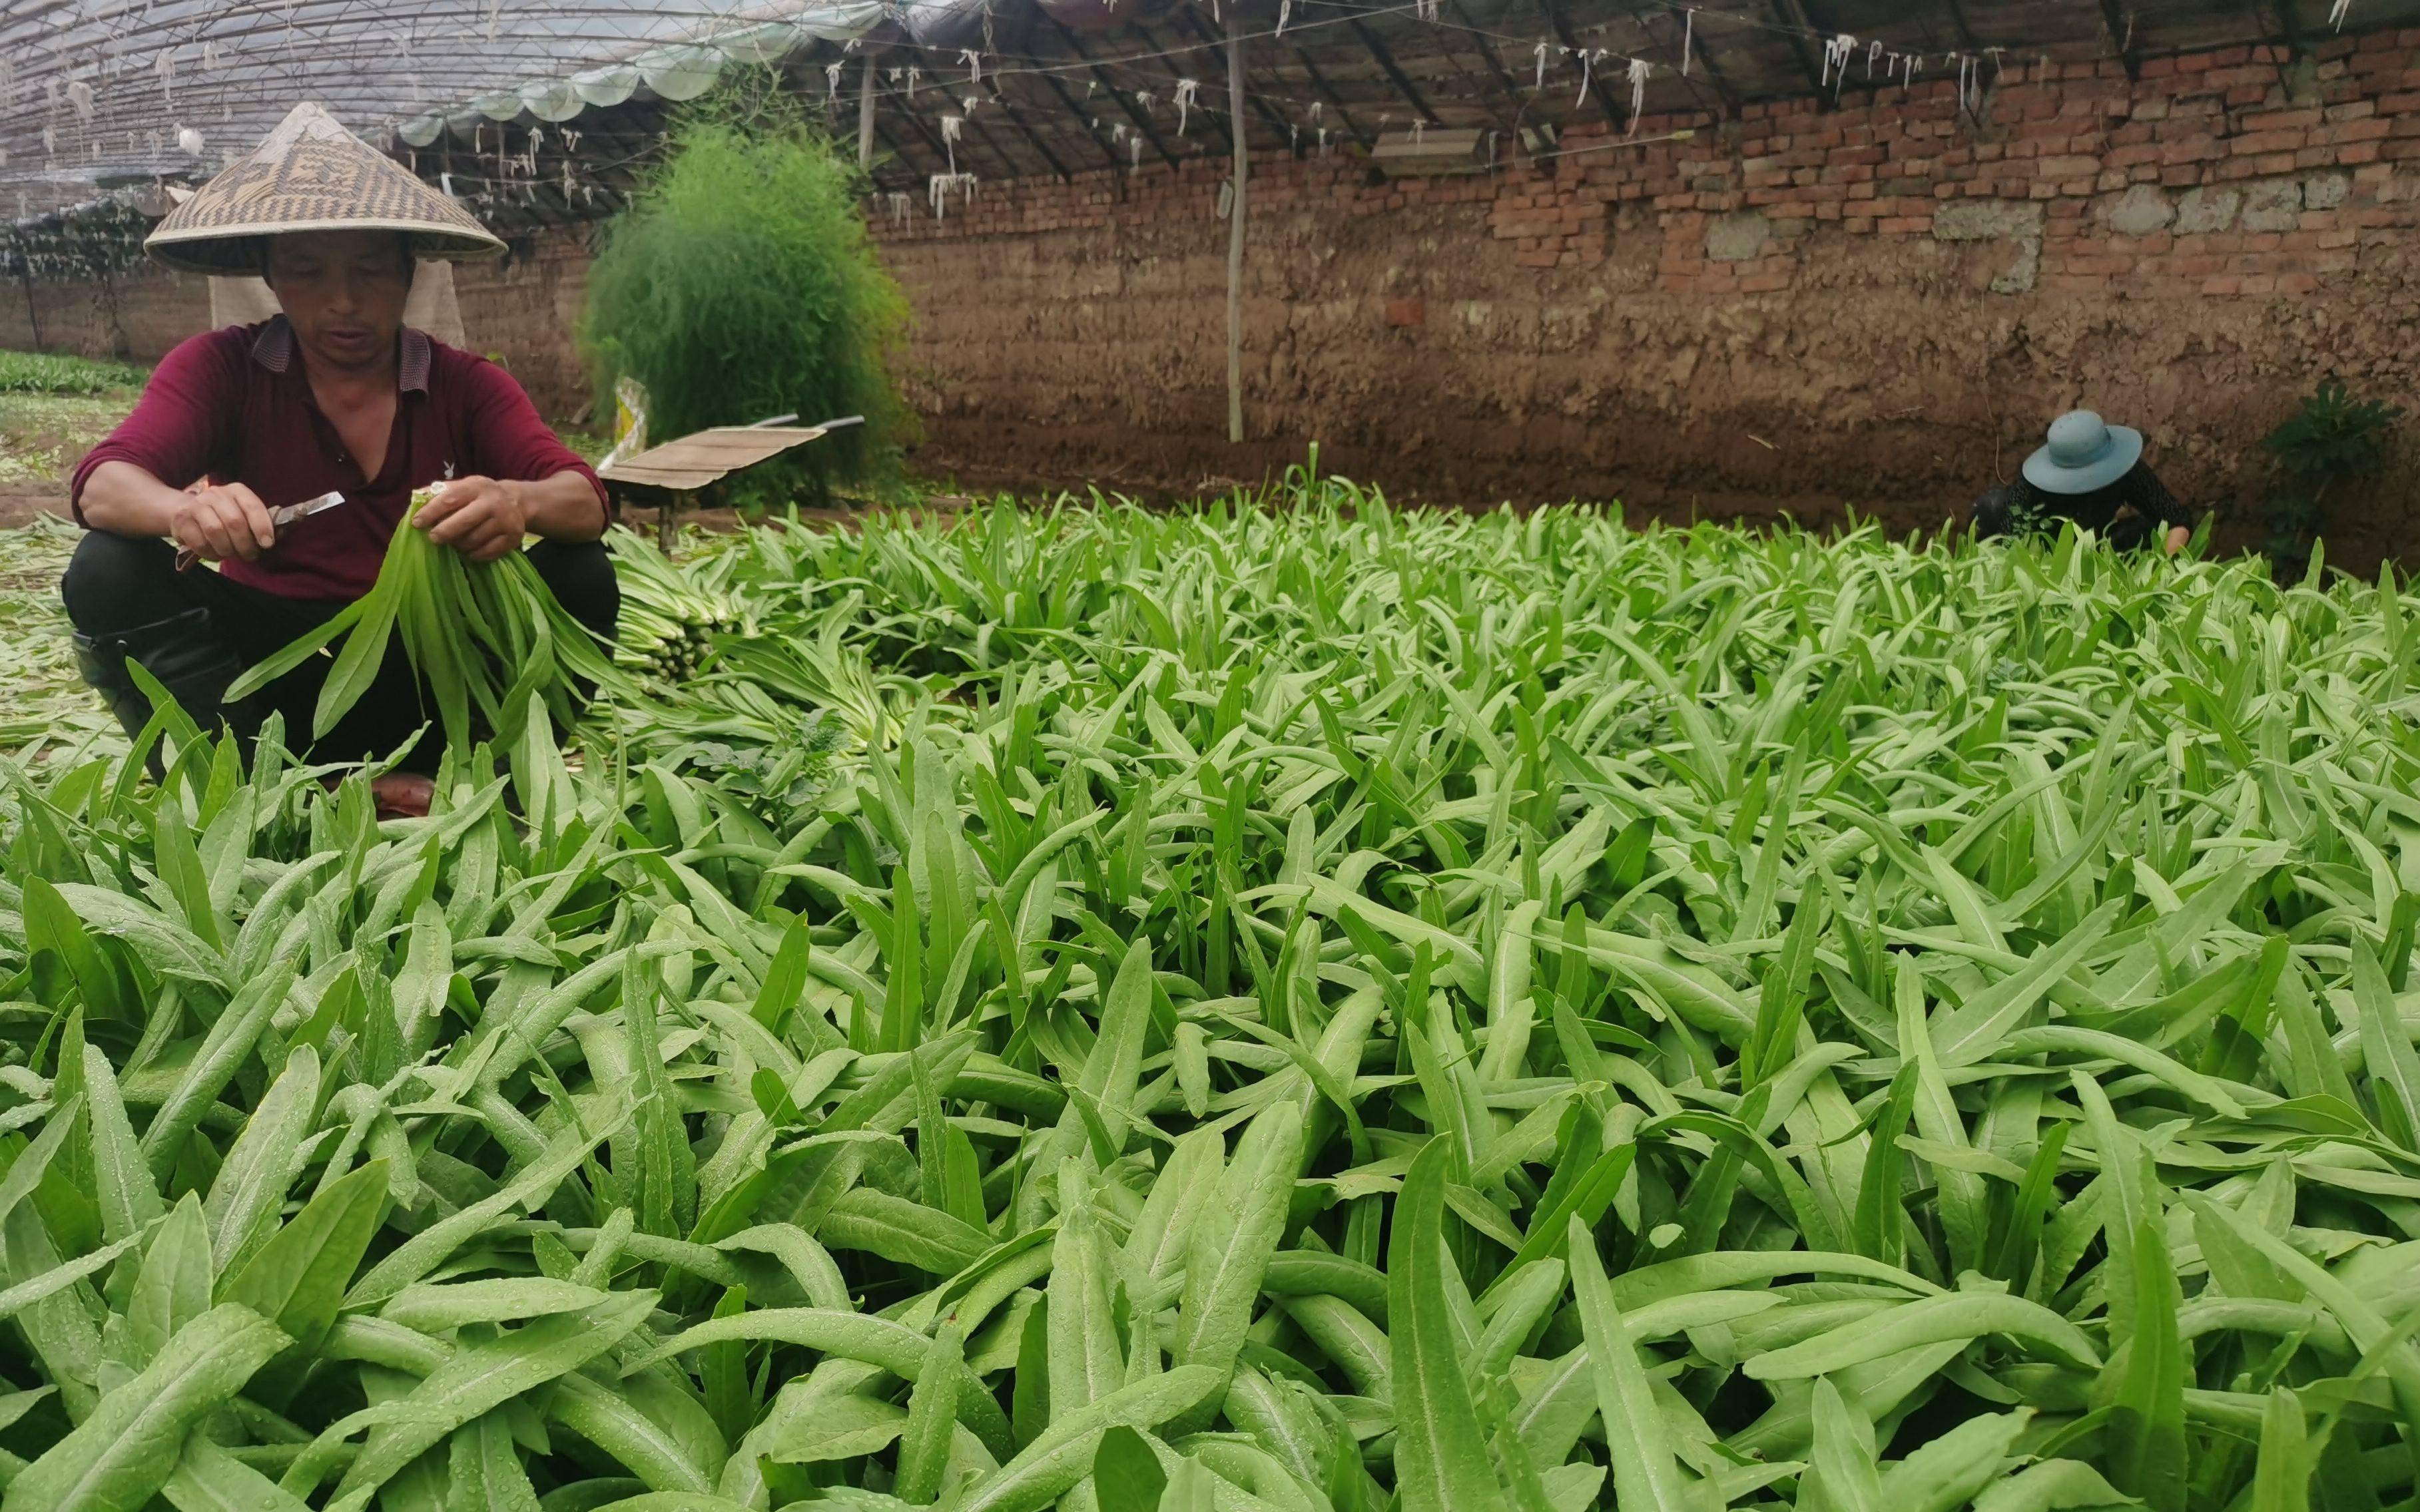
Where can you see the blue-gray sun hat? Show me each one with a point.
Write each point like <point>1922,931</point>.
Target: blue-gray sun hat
<point>2085,454</point>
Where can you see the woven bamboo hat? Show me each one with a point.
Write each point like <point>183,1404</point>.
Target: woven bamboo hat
<point>312,175</point>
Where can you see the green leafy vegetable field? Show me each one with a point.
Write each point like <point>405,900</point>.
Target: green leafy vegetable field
<point>1261,1009</point>
<point>56,372</point>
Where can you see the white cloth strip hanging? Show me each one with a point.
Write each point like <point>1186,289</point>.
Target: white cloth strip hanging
<point>1836,57</point>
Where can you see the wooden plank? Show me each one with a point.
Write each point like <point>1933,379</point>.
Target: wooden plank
<point>696,461</point>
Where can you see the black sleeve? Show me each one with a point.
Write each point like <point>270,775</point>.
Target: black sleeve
<point>1993,515</point>
<point>2152,501</point>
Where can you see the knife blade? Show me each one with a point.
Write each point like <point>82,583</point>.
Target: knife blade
<point>279,520</point>
<point>308,507</point>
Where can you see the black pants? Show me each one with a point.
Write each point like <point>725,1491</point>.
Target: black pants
<point>196,631</point>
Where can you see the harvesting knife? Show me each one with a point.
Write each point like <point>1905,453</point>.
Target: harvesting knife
<point>280,518</point>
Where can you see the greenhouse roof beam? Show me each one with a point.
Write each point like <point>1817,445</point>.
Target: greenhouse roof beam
<point>2121,37</point>
<point>1142,122</point>
<point>1563,27</point>
<point>1394,71</point>
<point>1701,55</point>
<point>1216,48</point>
<point>1326,94</point>
<point>1794,23</point>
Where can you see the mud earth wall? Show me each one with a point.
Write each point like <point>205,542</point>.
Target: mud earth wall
<point>1873,304</point>
<point>1877,305</point>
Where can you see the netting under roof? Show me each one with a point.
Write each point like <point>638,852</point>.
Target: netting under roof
<point>98,93</point>
<point>534,110</point>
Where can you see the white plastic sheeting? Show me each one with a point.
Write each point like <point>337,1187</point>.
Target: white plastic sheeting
<point>606,86</point>
<point>97,94</point>
<point>769,43</point>
<point>552,99</point>
<point>948,23</point>
<point>843,21</point>
<point>679,73</point>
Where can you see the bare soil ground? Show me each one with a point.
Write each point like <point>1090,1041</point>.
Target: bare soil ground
<point>41,438</point>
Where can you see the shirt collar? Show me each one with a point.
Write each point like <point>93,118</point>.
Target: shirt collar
<point>273,349</point>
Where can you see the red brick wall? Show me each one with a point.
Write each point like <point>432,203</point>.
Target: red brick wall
<point>1878,300</point>
<point>1888,163</point>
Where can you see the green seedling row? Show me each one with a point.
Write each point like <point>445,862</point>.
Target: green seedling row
<point>1283,1007</point>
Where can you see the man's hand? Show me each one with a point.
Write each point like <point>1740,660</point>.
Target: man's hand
<point>220,521</point>
<point>2176,539</point>
<point>481,517</point>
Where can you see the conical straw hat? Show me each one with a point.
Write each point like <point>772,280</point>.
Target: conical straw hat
<point>312,175</point>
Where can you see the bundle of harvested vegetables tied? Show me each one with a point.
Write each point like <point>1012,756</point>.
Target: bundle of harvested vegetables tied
<point>669,617</point>
<point>1315,1009</point>
<point>483,636</point>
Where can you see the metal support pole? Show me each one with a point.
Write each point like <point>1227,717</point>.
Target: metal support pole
<point>1236,226</point>
<point>865,116</point>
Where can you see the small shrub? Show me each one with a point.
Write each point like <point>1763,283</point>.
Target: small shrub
<point>2333,438</point>
<point>742,284</point>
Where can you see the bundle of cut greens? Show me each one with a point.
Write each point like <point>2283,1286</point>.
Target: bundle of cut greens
<point>669,618</point>
<point>482,638</point>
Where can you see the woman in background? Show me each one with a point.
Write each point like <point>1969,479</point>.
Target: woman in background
<point>2093,474</point>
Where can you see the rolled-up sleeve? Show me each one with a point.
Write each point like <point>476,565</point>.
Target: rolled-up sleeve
<point>184,426</point>
<point>509,441</point>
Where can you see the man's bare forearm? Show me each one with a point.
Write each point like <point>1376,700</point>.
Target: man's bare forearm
<point>214,521</point>
<point>123,499</point>
<point>563,508</point>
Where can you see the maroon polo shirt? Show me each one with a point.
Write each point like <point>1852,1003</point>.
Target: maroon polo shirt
<point>233,406</point>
